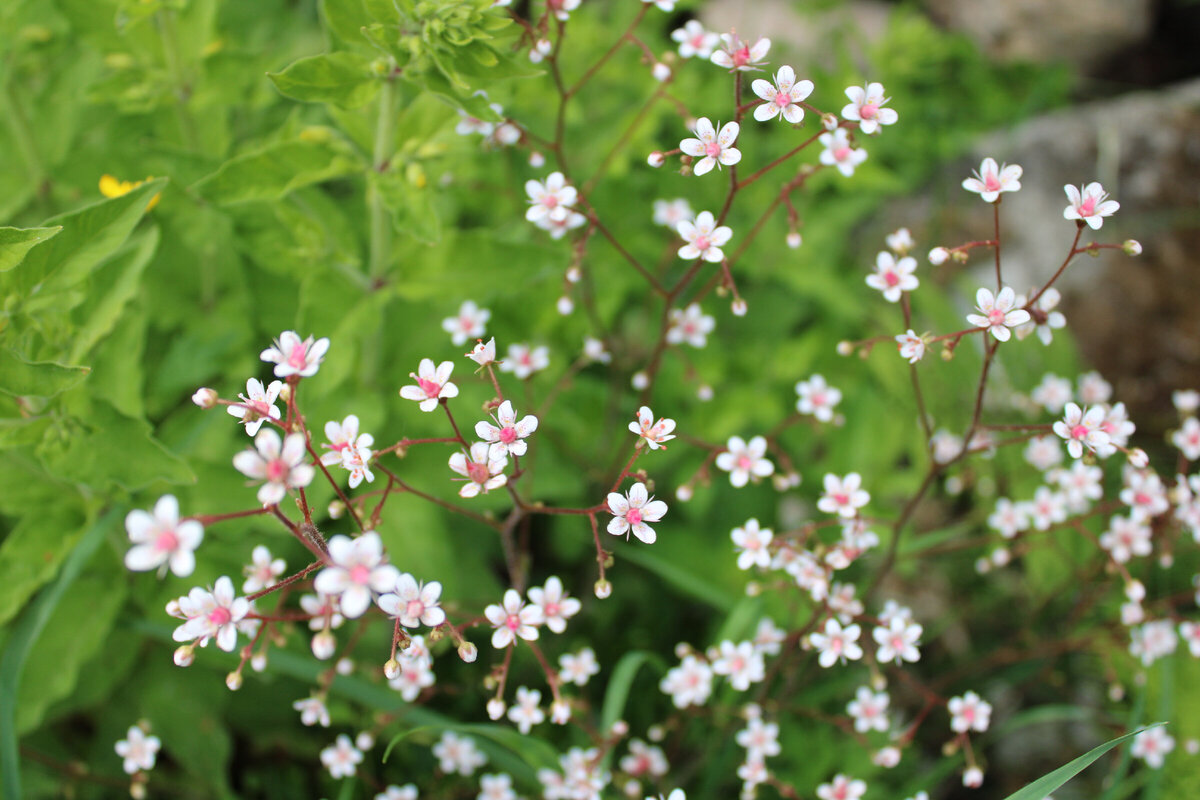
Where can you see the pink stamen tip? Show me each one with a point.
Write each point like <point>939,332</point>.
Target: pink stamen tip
<point>220,616</point>
<point>633,516</point>
<point>891,278</point>
<point>513,622</point>
<point>297,357</point>
<point>868,111</point>
<point>745,462</point>
<point>1087,208</point>
<point>996,316</point>
<point>841,153</point>
<point>1079,431</point>
<point>415,608</point>
<point>360,574</point>
<point>277,471</point>
<point>166,541</point>
<point>712,149</point>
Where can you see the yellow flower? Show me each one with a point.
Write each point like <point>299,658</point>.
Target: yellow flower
<point>114,187</point>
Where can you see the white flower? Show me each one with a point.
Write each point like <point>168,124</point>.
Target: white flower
<point>761,739</point>
<point>997,313</point>
<point>741,662</point>
<point>911,346</point>
<point>470,323</point>
<point>263,570</point>
<point>1152,641</point>
<point>483,470</point>
<point>869,710</point>
<point>483,353</point>
<point>817,398</point>
<point>559,227</point>
<point>138,750</point>
<point>840,153</point>
<point>712,147</point>
<point>513,619</point>
<point>989,180</point>
<point>294,356</point>
<point>562,11</point>
<point>1009,518</point>
<point>704,238</point>
<point>279,463</point>
<point>525,713</point>
<point>782,98</point>
<point>694,40</point>
<point>1052,394</point>
<point>213,615</point>
<point>892,277</point>
<point>496,787</point>
<point>258,404</point>
<point>579,667</point>
<point>843,496</point>
<point>969,712</point>
<point>738,55</point>
<point>751,543</point>
<point>653,433</point>
<point>690,325</point>
<point>414,604</point>
<point>1089,204</point>
<point>523,360</point>
<point>556,606</point>
<point>1094,389</point>
<point>593,350</point>
<point>458,754</point>
<point>1152,746</point>
<point>744,460</point>
<point>1187,439</point>
<point>900,241</point>
<point>1081,429</point>
<point>842,788</point>
<point>690,683</point>
<point>768,638</point>
<point>897,639</point>
<point>669,213</point>
<point>507,437</point>
<point>631,512</point>
<point>393,792</point>
<point>1126,537</point>
<point>350,449</point>
<point>837,643</point>
<point>161,540</point>
<point>866,107</point>
<point>312,711</point>
<point>341,758</point>
<point>552,199</point>
<point>432,384</point>
<point>1044,319</point>
<point>1186,401</point>
<point>357,569</point>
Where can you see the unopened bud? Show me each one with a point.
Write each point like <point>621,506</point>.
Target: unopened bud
<point>1138,458</point>
<point>661,72</point>
<point>640,380</point>
<point>1001,557</point>
<point>1116,692</point>
<point>137,788</point>
<point>496,708</point>
<point>323,645</point>
<point>656,159</point>
<point>983,566</point>
<point>285,392</point>
<point>704,392</point>
<point>938,256</point>
<point>337,509</point>
<point>887,758</point>
<point>364,740</point>
<point>973,778</point>
<point>1135,590</point>
<point>537,160</point>
<point>1132,247</point>
<point>739,307</point>
<point>829,121</point>
<point>656,733</point>
<point>205,398</point>
<point>844,348</point>
<point>344,666</point>
<point>620,728</point>
<point>560,712</point>
<point>603,588</point>
<point>391,669</point>
<point>234,681</point>
<point>185,655</point>
<point>684,493</point>
<point>565,305</point>
<point>573,274</point>
<point>793,240</point>
<point>468,652</point>
<point>258,661</point>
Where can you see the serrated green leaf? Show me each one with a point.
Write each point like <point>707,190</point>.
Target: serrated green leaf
<point>343,79</point>
<point>16,242</point>
<point>1047,784</point>
<point>126,272</point>
<point>21,378</point>
<point>274,171</point>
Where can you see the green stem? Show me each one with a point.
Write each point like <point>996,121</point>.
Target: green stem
<point>381,223</point>
<point>183,90</point>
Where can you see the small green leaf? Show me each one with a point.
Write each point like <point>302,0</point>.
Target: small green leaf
<point>21,378</point>
<point>123,275</point>
<point>16,242</point>
<point>1047,784</point>
<point>621,683</point>
<point>343,79</point>
<point>274,171</point>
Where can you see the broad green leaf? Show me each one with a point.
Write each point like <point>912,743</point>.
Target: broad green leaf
<point>126,273</point>
<point>1047,784</point>
<point>16,242</point>
<point>616,696</point>
<point>32,552</point>
<point>275,170</point>
<point>677,577</point>
<point>21,378</point>
<point>346,18</point>
<point>24,635</point>
<point>343,79</point>
<point>411,206</point>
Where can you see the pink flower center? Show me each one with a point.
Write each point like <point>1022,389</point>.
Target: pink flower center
<point>991,182</point>
<point>1079,432</point>
<point>737,665</point>
<point>783,99</point>
<point>277,470</point>
<point>512,622</point>
<point>969,714</point>
<point>220,616</point>
<point>508,435</point>
<point>836,645</point>
<point>869,111</point>
<point>260,407</point>
<point>1141,498</point>
<point>741,57</point>
<point>633,516</point>
<point>840,792</point>
<point>414,608</point>
<point>166,541</point>
<point>712,149</point>
<point>702,243</point>
<point>360,574</point>
<point>891,278</point>
<point>552,609</point>
<point>1087,208</point>
<point>842,499</point>
<point>745,462</point>
<point>550,201</point>
<point>466,323</point>
<point>841,153</point>
<point>698,41</point>
<point>818,399</point>
<point>996,316</point>
<point>430,388</point>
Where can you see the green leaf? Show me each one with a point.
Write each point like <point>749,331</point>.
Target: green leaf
<point>680,579</point>
<point>621,683</point>
<point>32,552</point>
<point>411,206</point>
<point>12,662</point>
<point>16,242</point>
<point>346,18</point>
<point>1047,784</point>
<point>274,171</point>
<point>127,271</point>
<point>343,79</point>
<point>21,378</point>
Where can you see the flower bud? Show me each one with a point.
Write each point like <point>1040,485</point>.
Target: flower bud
<point>234,681</point>
<point>661,72</point>
<point>1135,590</point>
<point>938,256</point>
<point>537,160</point>
<point>324,644</point>
<point>205,398</point>
<point>829,121</point>
<point>632,789</point>
<point>391,669</point>
<point>337,509</point>
<point>560,712</point>
<point>656,733</point>
<point>793,240</point>
<point>364,740</point>
<point>185,655</point>
<point>137,788</point>
<point>1116,692</point>
<point>656,159</point>
<point>1132,247</point>
<point>620,728</point>
<point>1001,557</point>
<point>344,666</point>
<point>739,307</point>
<point>983,566</point>
<point>468,652</point>
<point>640,380</point>
<point>973,778</point>
<point>565,305</point>
<point>603,588</point>
<point>574,274</point>
<point>704,392</point>
<point>887,758</point>
<point>1138,458</point>
<point>684,492</point>
<point>258,661</point>
<point>1191,747</point>
<point>285,392</point>
<point>844,348</point>
<point>496,708</point>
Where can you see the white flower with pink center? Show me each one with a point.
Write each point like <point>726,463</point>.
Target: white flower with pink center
<point>897,639</point>
<point>740,663</point>
<point>1043,318</point>
<point>513,619</point>
<point>893,277</point>
<point>669,213</point>
<point>655,434</point>
<point>257,404</point>
<point>432,384</point>
<point>644,759</point>
<point>213,615</point>
<point>523,360</point>
<point>496,787</point>
<point>1152,746</point>
<point>752,544</point>
<point>782,99</point>
<point>900,241</point>
<point>1126,537</point>
<point>482,469</point>
<point>507,436</point>
<point>406,792</point>
<point>295,356</point>
<point>1145,494</point>
<point>280,463</point>
<point>1046,508</point>
<point>1089,204</point>
<point>552,199</point>
<point>712,147</point>
<point>483,353</point>
<point>689,684</point>
<point>866,107</point>
<point>1009,518</point>
<point>761,739</point>
<point>998,312</point>
<point>1094,389</point>
<point>161,541</point>
<point>969,712</point>
<point>745,460</point>
<point>312,711</point>
<point>323,609</point>
<point>1081,429</point>
<point>1152,641</point>
<point>736,55</point>
<point>690,325</point>
<point>558,227</point>
<point>263,570</point>
<point>818,398</point>
<point>526,713</point>
<point>341,758</point>
<point>869,710</point>
<point>1052,394</point>
<point>843,496</point>
<point>1190,633</point>
<point>631,512</point>
<point>694,40</point>
<point>840,153</point>
<point>836,643</point>
<point>458,754</point>
<point>414,604</point>
<point>138,750</point>
<point>768,637</point>
<point>358,570</point>
<point>562,11</point>
<point>578,668</point>
<point>990,180</point>
<point>1187,439</point>
<point>469,323</point>
<point>842,788</point>
<point>911,346</point>
<point>556,606</point>
<point>349,449</point>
